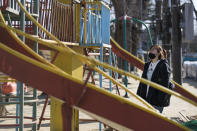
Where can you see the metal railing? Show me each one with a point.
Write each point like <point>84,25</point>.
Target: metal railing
<point>9,4</point>
<point>95,24</point>
<point>57,18</point>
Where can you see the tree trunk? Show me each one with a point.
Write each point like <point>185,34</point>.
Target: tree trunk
<point>130,8</point>
<point>119,8</point>
<point>176,42</point>
<point>166,24</point>
<point>158,11</point>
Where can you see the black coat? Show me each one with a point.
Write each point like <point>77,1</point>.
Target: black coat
<point>161,75</point>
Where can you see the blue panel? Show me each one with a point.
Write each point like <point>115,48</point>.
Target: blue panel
<point>105,12</point>
<point>98,26</point>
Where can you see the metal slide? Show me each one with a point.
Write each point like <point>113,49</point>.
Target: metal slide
<point>21,63</point>
<point>140,64</point>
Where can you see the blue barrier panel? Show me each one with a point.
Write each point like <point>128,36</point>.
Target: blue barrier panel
<point>97,25</point>
<point>105,14</point>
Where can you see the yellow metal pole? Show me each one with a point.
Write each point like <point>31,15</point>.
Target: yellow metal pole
<point>68,64</point>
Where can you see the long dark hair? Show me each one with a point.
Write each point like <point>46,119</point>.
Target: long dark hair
<point>162,52</point>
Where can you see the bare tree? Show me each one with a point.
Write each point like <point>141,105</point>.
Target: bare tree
<point>133,8</point>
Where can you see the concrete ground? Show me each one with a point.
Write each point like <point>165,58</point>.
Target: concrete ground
<point>178,110</point>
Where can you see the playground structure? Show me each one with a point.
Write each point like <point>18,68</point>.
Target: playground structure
<point>61,78</point>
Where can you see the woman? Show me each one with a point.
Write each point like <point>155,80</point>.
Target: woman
<point>158,71</point>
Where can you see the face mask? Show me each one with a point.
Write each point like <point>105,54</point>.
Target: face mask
<point>151,56</point>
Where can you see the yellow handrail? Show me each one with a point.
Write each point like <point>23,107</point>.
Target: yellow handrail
<point>142,62</point>
<point>90,62</point>
<point>25,46</point>
<point>62,49</point>
<point>8,81</point>
<point>89,85</point>
<point>4,77</point>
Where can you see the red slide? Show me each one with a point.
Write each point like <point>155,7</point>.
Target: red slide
<point>140,64</point>
<point>108,108</point>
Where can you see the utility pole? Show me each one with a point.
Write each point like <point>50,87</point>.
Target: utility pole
<point>176,42</point>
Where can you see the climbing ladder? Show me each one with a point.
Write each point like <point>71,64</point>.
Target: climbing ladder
<point>14,18</point>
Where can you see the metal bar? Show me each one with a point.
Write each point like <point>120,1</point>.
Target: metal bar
<point>44,16</point>
<point>22,27</point>
<point>31,7</point>
<point>56,20</point>
<point>141,22</point>
<point>15,7</point>
<point>101,77</point>
<point>115,74</point>
<point>147,29</point>
<point>16,125</point>
<point>66,28</point>
<point>45,118</point>
<point>100,28</point>
<point>88,25</point>
<point>87,120</point>
<point>85,24</point>
<point>110,71</point>
<point>49,17</point>
<point>34,114</point>
<point>17,106</point>
<point>43,111</point>
<point>21,107</point>
<point>101,59</point>
<point>25,117</point>
<point>7,81</point>
<point>75,15</point>
<point>15,102</point>
<point>52,17</point>
<point>67,112</point>
<point>72,25</point>
<point>92,76</point>
<point>125,47</point>
<point>58,13</point>
<point>16,97</point>
<point>96,29</point>
<point>22,21</point>
<point>12,3</point>
<point>92,31</point>
<point>61,15</point>
<point>81,28</point>
<point>63,25</point>
<point>40,16</point>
